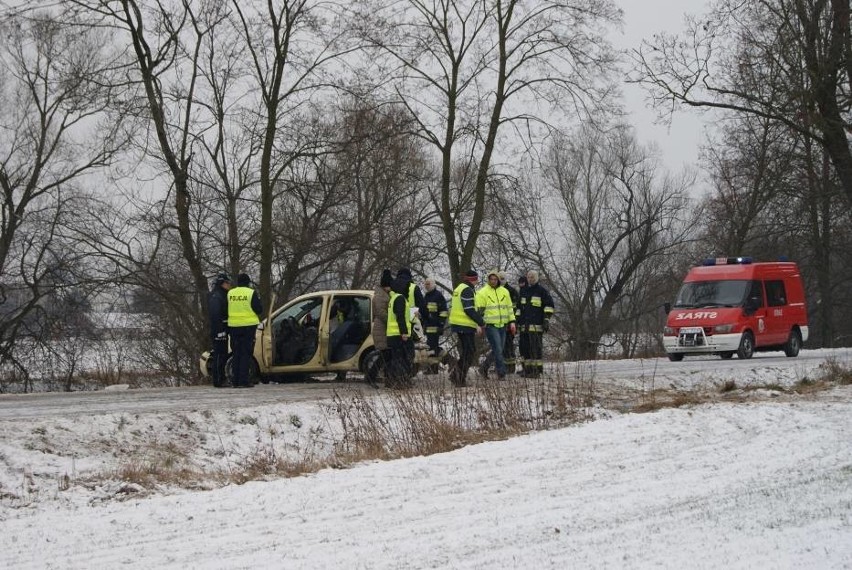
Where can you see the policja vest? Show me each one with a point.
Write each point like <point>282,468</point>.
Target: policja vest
<point>240,313</point>
<point>457,315</point>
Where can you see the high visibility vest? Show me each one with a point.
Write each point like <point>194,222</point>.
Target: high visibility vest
<point>457,315</point>
<point>410,298</point>
<point>240,313</point>
<point>496,305</point>
<point>392,328</point>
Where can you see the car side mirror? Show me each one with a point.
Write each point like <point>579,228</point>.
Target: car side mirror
<point>667,307</point>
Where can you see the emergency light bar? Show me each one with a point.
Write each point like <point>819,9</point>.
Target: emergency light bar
<point>727,261</point>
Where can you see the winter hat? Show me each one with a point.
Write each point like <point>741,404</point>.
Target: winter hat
<point>404,272</point>
<point>243,280</point>
<point>222,278</point>
<point>471,276</point>
<point>400,285</point>
<point>387,278</point>
<point>493,272</point>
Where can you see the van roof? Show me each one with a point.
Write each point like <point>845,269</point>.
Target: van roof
<point>747,271</point>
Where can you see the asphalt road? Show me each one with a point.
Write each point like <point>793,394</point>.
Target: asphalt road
<point>629,374</point>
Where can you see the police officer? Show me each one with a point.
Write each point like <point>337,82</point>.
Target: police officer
<point>398,331</point>
<point>536,310</point>
<point>217,314</point>
<point>244,310</point>
<point>466,322</point>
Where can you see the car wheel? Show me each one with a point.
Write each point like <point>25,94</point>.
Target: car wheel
<point>253,372</point>
<point>726,355</point>
<point>675,356</point>
<point>746,349</point>
<point>793,344</point>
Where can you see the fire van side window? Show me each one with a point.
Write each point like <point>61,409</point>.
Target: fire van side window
<point>775,293</point>
<point>756,293</point>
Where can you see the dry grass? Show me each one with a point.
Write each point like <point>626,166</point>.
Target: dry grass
<point>434,420</point>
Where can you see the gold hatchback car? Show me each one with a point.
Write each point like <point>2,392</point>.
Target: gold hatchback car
<point>320,333</point>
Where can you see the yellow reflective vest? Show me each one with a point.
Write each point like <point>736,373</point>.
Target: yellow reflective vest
<point>457,315</point>
<point>240,313</point>
<point>495,305</point>
<point>392,328</point>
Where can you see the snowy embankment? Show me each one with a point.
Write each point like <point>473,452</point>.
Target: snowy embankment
<point>757,484</point>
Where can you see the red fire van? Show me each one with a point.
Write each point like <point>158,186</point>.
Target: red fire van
<point>733,305</point>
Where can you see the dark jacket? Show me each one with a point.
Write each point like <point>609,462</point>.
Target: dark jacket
<point>217,310</point>
<point>436,310</point>
<point>397,309</point>
<point>536,305</point>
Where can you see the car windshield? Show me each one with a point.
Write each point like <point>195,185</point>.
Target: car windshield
<point>698,294</point>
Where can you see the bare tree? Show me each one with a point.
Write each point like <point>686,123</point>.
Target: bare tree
<point>290,44</point>
<point>750,167</point>
<point>617,215</point>
<point>784,60</point>
<point>55,130</point>
<point>466,69</point>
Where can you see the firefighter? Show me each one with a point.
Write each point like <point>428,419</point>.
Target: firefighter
<point>466,322</point>
<point>536,310</point>
<point>494,302</point>
<point>244,310</point>
<point>217,312</point>
<point>435,316</point>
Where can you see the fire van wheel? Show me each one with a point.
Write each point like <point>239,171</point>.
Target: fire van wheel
<point>746,349</point>
<point>793,344</point>
<point>675,356</point>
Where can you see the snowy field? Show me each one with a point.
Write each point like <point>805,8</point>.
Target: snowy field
<point>764,483</point>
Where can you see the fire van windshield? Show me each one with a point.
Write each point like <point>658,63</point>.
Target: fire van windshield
<point>701,294</point>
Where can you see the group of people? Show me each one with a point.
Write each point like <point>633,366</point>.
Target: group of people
<point>233,312</point>
<point>500,313</point>
<point>497,310</point>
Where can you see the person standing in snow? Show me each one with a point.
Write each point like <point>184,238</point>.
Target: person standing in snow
<point>466,323</point>
<point>217,314</point>
<point>244,310</point>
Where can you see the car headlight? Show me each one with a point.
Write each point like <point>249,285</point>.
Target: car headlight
<point>669,331</point>
<point>723,329</point>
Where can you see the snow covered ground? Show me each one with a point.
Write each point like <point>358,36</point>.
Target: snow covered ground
<point>761,484</point>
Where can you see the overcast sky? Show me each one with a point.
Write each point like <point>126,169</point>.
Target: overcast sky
<point>680,139</point>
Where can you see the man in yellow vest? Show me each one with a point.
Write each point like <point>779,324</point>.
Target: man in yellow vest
<point>398,331</point>
<point>244,310</point>
<point>495,303</point>
<point>465,322</point>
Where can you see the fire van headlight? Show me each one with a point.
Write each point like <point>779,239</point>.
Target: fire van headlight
<point>723,329</point>
<point>669,331</point>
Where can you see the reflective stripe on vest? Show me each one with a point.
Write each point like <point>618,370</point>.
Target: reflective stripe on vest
<point>392,328</point>
<point>496,304</point>
<point>457,315</point>
<point>240,313</point>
